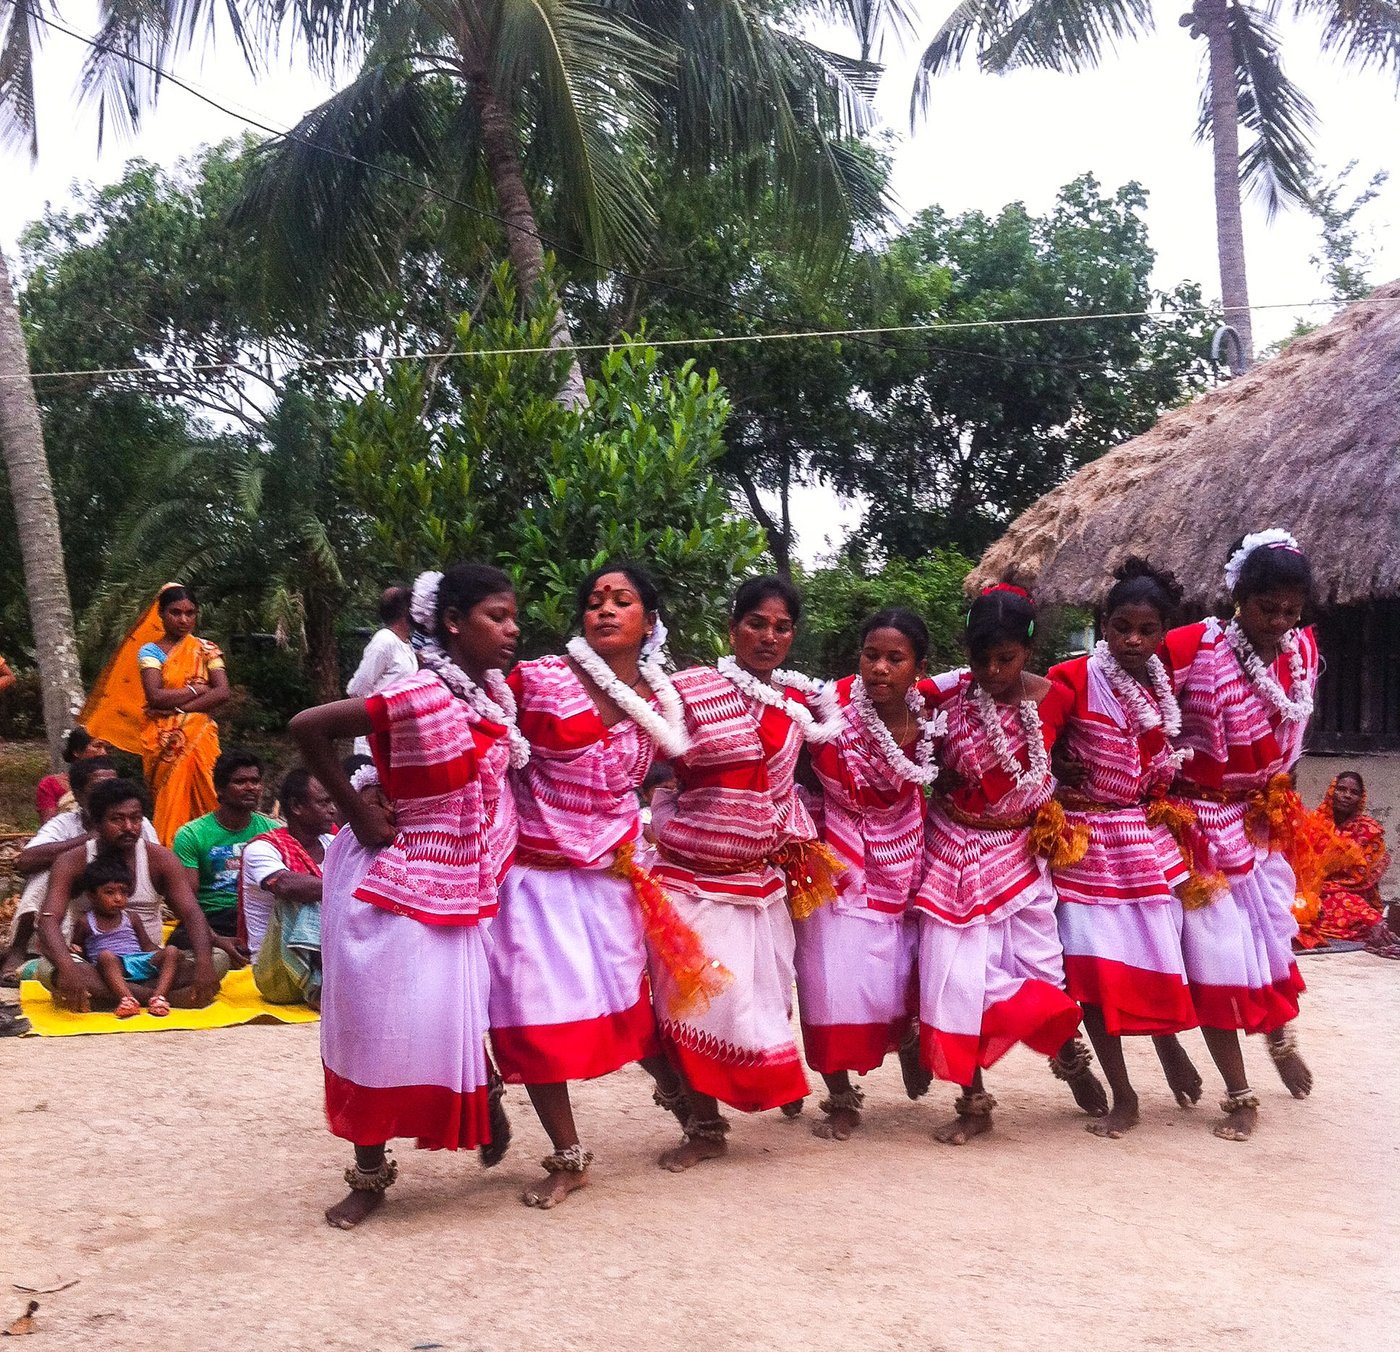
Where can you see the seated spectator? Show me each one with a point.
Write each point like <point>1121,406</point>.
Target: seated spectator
<point>119,947</point>
<point>117,808</point>
<point>57,836</point>
<point>54,793</point>
<point>1350,894</point>
<point>211,848</point>
<point>280,895</point>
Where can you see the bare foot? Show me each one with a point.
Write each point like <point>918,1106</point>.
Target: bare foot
<point>348,1214</point>
<point>1183,1079</point>
<point>692,1151</point>
<point>553,1188</point>
<point>1089,1093</point>
<point>1238,1125</point>
<point>793,1109</point>
<point>159,1006</point>
<point>1292,1070</point>
<point>963,1128</point>
<point>127,1007</point>
<point>837,1125</point>
<point>1121,1119</point>
<point>917,1079</point>
<point>494,1152</point>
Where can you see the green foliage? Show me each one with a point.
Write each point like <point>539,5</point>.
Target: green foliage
<point>1343,261</point>
<point>839,598</point>
<point>473,457</point>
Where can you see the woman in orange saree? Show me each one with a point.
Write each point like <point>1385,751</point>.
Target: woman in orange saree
<point>154,699</point>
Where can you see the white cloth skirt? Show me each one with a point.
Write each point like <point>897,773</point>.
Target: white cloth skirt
<point>985,987</point>
<point>1239,951</point>
<point>855,989</point>
<point>740,1049</point>
<point>569,995</point>
<point>403,1018</point>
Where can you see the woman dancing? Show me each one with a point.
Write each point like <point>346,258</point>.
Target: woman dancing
<point>405,975</point>
<point>736,849</point>
<point>1246,694</point>
<point>1119,917</point>
<point>990,967</point>
<point>569,993</point>
<point>855,957</point>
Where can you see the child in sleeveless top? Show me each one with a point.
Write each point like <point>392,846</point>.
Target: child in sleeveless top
<point>117,944</point>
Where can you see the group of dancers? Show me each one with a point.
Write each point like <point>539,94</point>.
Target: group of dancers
<point>945,866</point>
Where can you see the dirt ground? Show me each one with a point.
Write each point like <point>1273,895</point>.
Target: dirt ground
<point>180,1177</point>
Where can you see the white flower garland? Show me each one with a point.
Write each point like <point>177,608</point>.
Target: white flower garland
<point>496,707</point>
<point>920,770</point>
<point>667,728</point>
<point>1273,538</point>
<point>822,693</point>
<point>1162,711</point>
<point>1297,705</point>
<point>1029,714</point>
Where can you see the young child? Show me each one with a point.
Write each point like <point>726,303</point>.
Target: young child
<point>991,971</point>
<point>118,945</point>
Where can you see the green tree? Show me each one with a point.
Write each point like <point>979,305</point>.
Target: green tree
<point>472,456</point>
<point>1244,87</point>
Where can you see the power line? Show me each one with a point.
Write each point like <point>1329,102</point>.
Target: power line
<point>712,340</point>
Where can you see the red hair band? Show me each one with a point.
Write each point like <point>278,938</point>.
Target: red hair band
<point>1007,587</point>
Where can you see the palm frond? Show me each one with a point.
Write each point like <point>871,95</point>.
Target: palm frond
<point>1065,35</point>
<point>19,41</point>
<point>1276,163</point>
<point>1365,33</point>
<point>970,19</point>
<point>872,21</point>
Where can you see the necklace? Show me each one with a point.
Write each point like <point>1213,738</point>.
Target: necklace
<point>920,770</point>
<point>496,707</point>
<point>990,719</point>
<point>1294,707</point>
<point>1162,711</point>
<point>667,728</point>
<point>771,696</point>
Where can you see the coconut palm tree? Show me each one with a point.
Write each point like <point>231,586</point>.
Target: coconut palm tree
<point>1244,87</point>
<point>22,433</point>
<point>547,115</point>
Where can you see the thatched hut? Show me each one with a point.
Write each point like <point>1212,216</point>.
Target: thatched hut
<point>1310,441</point>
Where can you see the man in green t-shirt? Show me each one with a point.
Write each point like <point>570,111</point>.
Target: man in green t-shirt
<point>211,846</point>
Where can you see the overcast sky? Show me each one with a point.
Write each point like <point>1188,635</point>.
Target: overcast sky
<point>987,140</point>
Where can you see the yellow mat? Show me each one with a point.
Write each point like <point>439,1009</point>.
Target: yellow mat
<point>237,1002</point>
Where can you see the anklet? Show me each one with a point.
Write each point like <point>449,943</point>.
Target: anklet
<point>711,1129</point>
<point>1239,1101</point>
<point>1074,1065</point>
<point>373,1180</point>
<point>573,1159</point>
<point>974,1105</point>
<point>670,1102</point>
<point>850,1100</point>
<point>1285,1045</point>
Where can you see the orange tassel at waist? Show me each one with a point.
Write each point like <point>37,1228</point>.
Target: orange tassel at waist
<point>1201,886</point>
<point>812,869</point>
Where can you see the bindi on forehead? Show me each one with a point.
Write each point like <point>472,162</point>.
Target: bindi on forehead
<point>605,590</point>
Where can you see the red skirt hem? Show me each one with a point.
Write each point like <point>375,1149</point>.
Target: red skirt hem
<point>857,1047</point>
<point>1249,1010</point>
<point>436,1117</point>
<point>747,1088</point>
<point>1039,1015</point>
<point>1134,1001</point>
<point>583,1050</point>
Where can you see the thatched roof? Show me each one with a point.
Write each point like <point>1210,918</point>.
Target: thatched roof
<point>1309,441</point>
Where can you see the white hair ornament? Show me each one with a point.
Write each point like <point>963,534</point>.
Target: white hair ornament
<point>363,778</point>
<point>422,606</point>
<point>1273,538</point>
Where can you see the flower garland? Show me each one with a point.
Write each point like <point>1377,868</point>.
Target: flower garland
<point>1161,711</point>
<point>496,707</point>
<point>769,694</point>
<point>1273,538</point>
<point>920,770</point>
<point>667,728</point>
<point>990,718</point>
<point>1294,707</point>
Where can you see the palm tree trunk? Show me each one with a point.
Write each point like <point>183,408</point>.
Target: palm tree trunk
<point>502,152</point>
<point>36,517</point>
<point>1212,20</point>
<point>322,650</point>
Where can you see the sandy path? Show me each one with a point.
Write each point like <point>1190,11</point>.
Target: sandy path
<point>181,1177</point>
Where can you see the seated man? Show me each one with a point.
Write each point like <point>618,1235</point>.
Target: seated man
<point>211,848</point>
<point>280,894</point>
<point>117,810</point>
<point>55,837</point>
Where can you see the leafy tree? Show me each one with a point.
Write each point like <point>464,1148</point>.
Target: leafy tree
<point>1244,86</point>
<point>1343,261</point>
<point>472,456</point>
<point>839,598</point>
